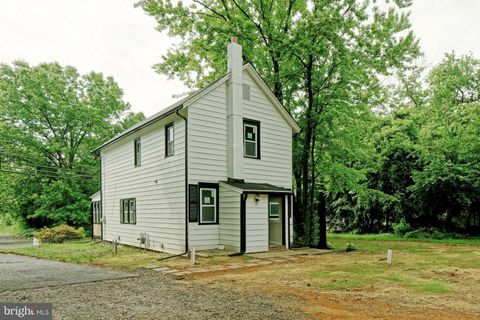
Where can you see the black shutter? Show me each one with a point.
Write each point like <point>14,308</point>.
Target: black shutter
<point>193,204</point>
<point>121,212</point>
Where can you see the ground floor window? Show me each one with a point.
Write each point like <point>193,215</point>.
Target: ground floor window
<point>128,211</point>
<point>97,212</point>
<point>208,205</point>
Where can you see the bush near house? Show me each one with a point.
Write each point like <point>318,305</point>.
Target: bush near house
<point>59,234</point>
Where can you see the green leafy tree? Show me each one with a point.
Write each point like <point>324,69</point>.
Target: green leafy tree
<point>323,59</point>
<point>446,191</point>
<point>52,118</point>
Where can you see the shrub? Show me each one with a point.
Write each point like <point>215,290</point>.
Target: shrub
<point>351,247</point>
<point>59,234</point>
<point>27,232</point>
<point>401,228</point>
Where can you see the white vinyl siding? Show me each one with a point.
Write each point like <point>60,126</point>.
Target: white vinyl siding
<point>207,139</point>
<point>158,186</point>
<point>275,164</point>
<point>257,223</point>
<point>229,218</point>
<point>207,156</point>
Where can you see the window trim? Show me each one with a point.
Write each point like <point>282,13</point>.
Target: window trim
<point>137,162</point>
<point>122,211</point>
<point>167,127</point>
<point>256,124</point>
<point>208,186</point>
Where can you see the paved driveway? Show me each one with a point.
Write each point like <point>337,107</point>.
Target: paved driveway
<point>7,241</point>
<point>19,272</point>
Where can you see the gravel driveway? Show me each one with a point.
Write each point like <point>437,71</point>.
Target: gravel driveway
<point>149,296</point>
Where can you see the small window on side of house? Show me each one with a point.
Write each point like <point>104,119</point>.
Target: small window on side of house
<point>137,152</point>
<point>208,205</point>
<point>251,139</point>
<point>169,140</point>
<point>128,211</point>
<point>97,212</point>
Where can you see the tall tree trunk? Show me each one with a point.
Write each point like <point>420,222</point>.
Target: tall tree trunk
<point>307,144</point>
<point>312,189</point>
<point>322,220</point>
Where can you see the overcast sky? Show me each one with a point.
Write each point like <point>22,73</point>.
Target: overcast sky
<point>113,37</point>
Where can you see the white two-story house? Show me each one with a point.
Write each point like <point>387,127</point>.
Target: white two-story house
<point>212,171</point>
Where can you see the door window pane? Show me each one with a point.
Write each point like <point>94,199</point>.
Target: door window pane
<point>274,210</point>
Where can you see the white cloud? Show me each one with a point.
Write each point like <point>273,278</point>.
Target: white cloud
<point>446,25</point>
<point>113,37</point>
<point>109,36</point>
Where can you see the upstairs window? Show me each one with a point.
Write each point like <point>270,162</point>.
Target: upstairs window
<point>169,140</point>
<point>137,152</point>
<point>128,211</point>
<point>251,139</point>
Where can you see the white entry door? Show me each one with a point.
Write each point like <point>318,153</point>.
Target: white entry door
<point>275,218</point>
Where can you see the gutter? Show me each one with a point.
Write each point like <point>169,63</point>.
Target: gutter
<point>140,127</point>
<point>186,179</point>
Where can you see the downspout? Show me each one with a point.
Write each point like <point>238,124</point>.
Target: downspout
<point>186,181</point>
<point>101,201</point>
<point>289,214</point>
<point>91,218</point>
<point>243,226</point>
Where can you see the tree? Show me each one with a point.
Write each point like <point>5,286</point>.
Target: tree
<point>446,191</point>
<point>52,118</point>
<point>324,61</point>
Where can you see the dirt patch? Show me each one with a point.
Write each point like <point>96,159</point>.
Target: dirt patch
<point>426,281</point>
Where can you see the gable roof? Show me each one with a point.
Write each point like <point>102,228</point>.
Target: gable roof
<point>95,194</point>
<point>200,93</point>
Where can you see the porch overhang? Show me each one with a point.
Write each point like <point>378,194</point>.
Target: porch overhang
<point>249,187</point>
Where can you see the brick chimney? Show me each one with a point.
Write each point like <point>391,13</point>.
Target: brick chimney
<point>234,110</point>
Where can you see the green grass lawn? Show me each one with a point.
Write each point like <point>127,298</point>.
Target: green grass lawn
<point>423,265</point>
<point>391,237</point>
<point>86,251</point>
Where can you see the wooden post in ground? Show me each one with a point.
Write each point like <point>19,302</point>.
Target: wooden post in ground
<point>192,256</point>
<point>389,256</point>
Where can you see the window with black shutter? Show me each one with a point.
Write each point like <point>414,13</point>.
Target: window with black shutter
<point>193,206</point>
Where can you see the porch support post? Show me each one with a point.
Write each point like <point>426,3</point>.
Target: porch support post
<point>288,215</point>
<point>243,222</point>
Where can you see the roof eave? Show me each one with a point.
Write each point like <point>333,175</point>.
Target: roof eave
<point>125,134</point>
